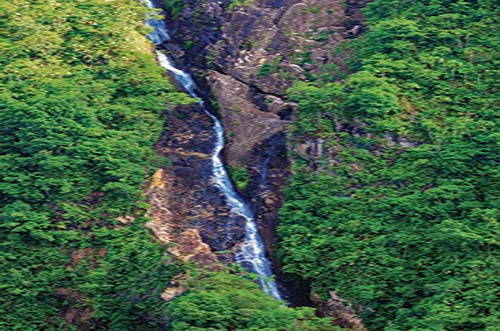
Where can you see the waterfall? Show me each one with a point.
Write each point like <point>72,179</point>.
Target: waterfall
<point>252,253</point>
<point>159,33</point>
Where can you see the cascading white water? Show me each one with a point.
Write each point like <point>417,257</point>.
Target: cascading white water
<point>159,33</point>
<point>252,252</point>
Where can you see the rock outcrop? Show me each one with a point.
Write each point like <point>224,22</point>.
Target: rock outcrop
<point>270,44</point>
<point>162,218</point>
<point>245,58</point>
<point>246,125</point>
<point>189,214</point>
<point>186,245</point>
<point>340,310</point>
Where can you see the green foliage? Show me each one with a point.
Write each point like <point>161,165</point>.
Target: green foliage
<point>239,175</point>
<point>175,7</point>
<point>269,68</point>
<point>124,287</point>
<point>222,301</point>
<point>233,4</point>
<point>80,104</point>
<point>401,216</point>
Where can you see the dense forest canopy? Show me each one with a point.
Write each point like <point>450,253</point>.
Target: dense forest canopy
<point>221,301</point>
<point>80,104</point>
<point>400,215</point>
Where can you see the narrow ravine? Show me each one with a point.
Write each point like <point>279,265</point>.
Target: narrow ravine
<point>251,254</point>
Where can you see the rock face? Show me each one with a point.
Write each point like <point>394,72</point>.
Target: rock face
<point>244,58</point>
<point>246,125</point>
<point>176,192</point>
<point>340,310</point>
<point>186,245</point>
<point>191,247</point>
<point>265,47</point>
<point>271,44</point>
<point>162,223</point>
<point>188,213</point>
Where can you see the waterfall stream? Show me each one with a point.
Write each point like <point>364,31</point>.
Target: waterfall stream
<point>251,255</point>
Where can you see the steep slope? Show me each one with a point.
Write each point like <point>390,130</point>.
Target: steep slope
<point>248,54</point>
<point>389,143</point>
<point>394,205</point>
<point>80,104</point>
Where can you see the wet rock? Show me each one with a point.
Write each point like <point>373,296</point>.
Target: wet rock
<point>270,172</point>
<point>224,233</point>
<point>189,214</point>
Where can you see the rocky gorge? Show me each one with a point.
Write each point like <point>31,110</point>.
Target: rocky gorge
<point>243,57</point>
<point>274,165</point>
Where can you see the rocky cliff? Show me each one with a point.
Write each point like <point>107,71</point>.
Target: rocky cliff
<point>244,56</point>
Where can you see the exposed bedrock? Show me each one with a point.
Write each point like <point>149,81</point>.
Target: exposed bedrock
<point>246,125</point>
<point>188,212</point>
<point>244,58</point>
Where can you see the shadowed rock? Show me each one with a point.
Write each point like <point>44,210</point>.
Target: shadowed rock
<point>246,125</point>
<point>340,310</point>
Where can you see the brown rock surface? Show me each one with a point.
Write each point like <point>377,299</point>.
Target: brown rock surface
<point>162,218</point>
<point>189,214</point>
<point>246,125</point>
<point>191,247</point>
<point>340,310</point>
<point>289,38</point>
